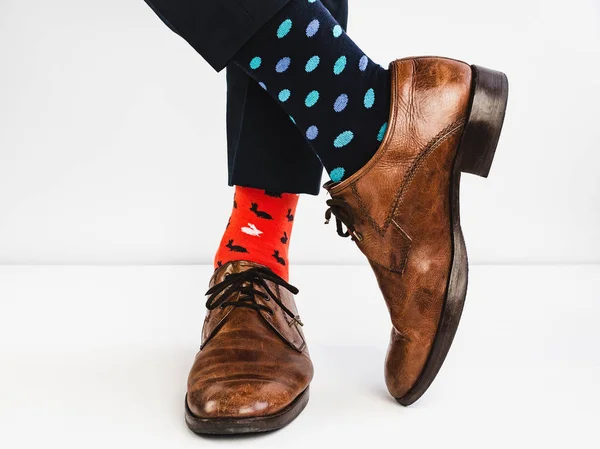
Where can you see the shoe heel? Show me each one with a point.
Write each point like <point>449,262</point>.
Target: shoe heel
<point>482,132</point>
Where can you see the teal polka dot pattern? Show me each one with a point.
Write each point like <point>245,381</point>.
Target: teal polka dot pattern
<point>284,95</point>
<point>382,132</point>
<point>255,63</point>
<point>284,29</point>
<point>369,99</point>
<point>343,139</point>
<point>312,98</point>
<point>337,174</point>
<point>340,65</point>
<point>312,64</point>
<point>331,91</point>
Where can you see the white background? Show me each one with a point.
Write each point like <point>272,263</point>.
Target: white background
<point>112,138</point>
<point>98,357</point>
<point>112,152</point>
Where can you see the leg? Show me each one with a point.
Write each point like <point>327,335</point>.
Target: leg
<point>261,220</point>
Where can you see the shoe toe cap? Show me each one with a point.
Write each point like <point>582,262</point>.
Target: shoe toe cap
<point>405,361</point>
<point>246,398</point>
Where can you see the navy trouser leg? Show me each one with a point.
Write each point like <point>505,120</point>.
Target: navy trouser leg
<point>217,29</point>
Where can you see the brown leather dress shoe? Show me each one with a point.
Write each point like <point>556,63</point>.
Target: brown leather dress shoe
<point>402,207</point>
<point>253,370</point>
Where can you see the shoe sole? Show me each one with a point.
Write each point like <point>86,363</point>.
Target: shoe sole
<point>475,155</point>
<point>237,426</point>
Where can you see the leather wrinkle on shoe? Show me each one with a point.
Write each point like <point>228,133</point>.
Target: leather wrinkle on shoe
<point>344,214</point>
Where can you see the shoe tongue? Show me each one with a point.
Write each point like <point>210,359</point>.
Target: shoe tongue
<point>236,266</point>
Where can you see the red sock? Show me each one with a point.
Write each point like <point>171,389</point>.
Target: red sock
<point>259,229</point>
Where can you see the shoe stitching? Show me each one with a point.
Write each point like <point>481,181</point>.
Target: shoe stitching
<point>411,95</point>
<point>416,165</point>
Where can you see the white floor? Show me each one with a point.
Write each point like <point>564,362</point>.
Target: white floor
<point>94,357</point>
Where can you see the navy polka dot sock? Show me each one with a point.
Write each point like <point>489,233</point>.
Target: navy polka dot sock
<point>332,91</point>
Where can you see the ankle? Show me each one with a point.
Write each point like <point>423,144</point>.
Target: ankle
<point>259,229</point>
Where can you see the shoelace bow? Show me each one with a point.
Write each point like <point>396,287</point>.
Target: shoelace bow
<point>245,283</point>
<point>343,217</point>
